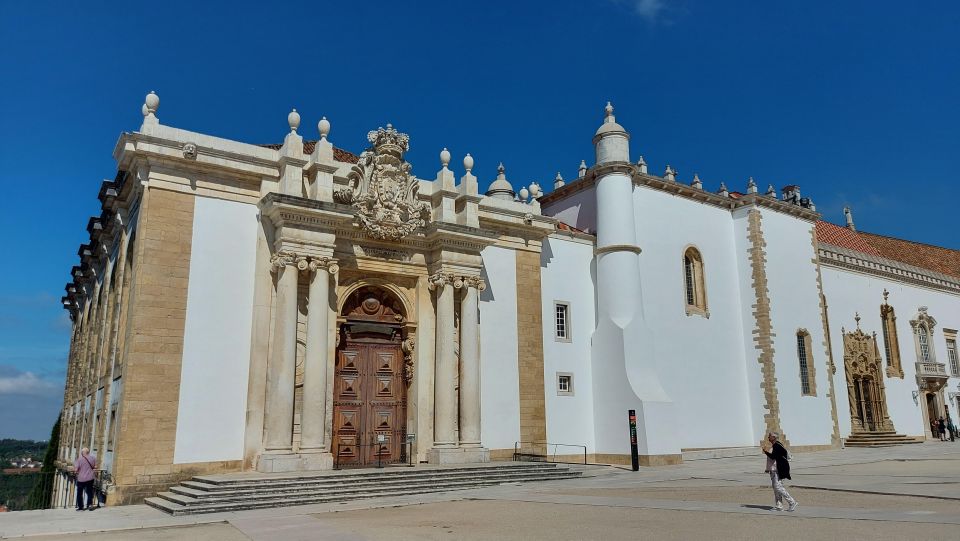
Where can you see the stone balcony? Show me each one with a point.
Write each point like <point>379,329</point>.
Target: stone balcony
<point>931,376</point>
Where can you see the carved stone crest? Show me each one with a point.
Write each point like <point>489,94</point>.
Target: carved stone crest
<point>382,190</point>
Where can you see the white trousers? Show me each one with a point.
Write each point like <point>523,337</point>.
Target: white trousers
<point>779,493</point>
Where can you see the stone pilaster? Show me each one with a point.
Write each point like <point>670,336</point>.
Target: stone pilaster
<point>470,363</point>
<point>281,369</point>
<point>314,413</point>
<point>445,394</point>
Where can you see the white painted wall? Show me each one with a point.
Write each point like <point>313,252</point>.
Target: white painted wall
<point>848,293</point>
<point>578,210</point>
<point>216,342</point>
<point>566,276</point>
<point>699,359</point>
<point>794,305</point>
<point>499,375</point>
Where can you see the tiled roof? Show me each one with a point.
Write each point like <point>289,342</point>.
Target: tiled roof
<point>844,238</point>
<point>567,227</point>
<point>308,146</point>
<point>925,256</point>
<point>935,258</point>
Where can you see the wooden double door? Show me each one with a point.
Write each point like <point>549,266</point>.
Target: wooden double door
<point>369,402</point>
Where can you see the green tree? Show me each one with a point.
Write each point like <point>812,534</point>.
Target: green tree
<point>42,491</point>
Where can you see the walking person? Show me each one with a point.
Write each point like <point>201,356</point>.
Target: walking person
<point>943,429</point>
<point>779,468</point>
<point>85,466</point>
<point>952,428</point>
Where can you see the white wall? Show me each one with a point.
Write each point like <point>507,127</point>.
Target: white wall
<point>699,359</point>
<point>578,210</point>
<point>795,304</point>
<point>848,293</point>
<point>216,342</point>
<point>566,276</point>
<point>499,376</point>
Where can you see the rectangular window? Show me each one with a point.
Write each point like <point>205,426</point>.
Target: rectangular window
<point>952,355</point>
<point>804,367</point>
<point>924,344</point>
<point>564,384</point>
<point>562,321</point>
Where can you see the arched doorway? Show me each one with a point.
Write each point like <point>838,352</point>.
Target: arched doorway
<point>865,387</point>
<point>370,380</point>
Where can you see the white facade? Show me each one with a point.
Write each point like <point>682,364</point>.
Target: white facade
<point>513,318</point>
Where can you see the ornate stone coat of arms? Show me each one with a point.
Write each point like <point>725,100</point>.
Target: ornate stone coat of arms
<point>382,190</point>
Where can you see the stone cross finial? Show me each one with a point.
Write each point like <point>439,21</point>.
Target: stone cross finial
<point>751,186</point>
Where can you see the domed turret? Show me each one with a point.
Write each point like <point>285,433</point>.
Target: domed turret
<point>611,142</point>
<point>501,187</point>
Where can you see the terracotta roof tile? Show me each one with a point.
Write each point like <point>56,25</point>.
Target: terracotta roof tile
<point>844,238</point>
<point>925,256</point>
<point>935,258</point>
<point>567,227</point>
<point>308,146</point>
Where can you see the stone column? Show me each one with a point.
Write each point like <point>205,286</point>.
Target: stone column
<point>445,395</point>
<point>314,414</point>
<point>281,370</point>
<point>470,363</point>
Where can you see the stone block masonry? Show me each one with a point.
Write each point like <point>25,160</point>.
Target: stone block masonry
<point>533,418</point>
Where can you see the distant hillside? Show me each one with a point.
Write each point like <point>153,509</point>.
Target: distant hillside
<point>11,449</point>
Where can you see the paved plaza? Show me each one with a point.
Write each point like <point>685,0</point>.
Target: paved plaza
<point>887,493</point>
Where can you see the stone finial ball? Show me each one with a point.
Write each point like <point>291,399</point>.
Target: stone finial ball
<point>145,110</point>
<point>324,127</point>
<point>152,101</point>
<point>294,120</point>
<point>524,194</point>
<point>468,162</point>
<point>445,157</point>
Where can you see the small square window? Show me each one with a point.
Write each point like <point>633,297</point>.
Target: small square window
<point>561,321</point>
<point>564,384</point>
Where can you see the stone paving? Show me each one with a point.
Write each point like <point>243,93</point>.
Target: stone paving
<point>885,493</point>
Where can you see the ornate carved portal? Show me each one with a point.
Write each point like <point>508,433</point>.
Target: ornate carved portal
<point>372,371</point>
<point>865,387</point>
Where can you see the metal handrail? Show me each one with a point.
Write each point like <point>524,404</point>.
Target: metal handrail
<point>518,448</point>
<point>408,447</point>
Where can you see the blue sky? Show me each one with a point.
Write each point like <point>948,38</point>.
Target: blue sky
<point>854,101</point>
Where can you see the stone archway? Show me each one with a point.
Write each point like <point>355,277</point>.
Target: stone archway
<point>372,371</point>
<point>863,367</point>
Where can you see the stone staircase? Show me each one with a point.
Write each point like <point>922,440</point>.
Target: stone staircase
<point>878,439</point>
<point>236,492</point>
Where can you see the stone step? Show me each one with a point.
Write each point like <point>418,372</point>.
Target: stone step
<point>348,492</point>
<point>178,504</point>
<point>401,471</point>
<point>202,490</point>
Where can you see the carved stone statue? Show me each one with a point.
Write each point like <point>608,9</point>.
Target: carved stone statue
<point>382,190</point>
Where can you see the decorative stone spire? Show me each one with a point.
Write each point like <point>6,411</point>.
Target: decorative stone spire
<point>558,182</point>
<point>856,318</point>
<point>848,214</point>
<point>723,190</point>
<point>611,142</point>
<point>293,119</point>
<point>642,165</point>
<point>885,295</point>
<point>670,175</point>
<point>324,127</point>
<point>696,183</point>
<point>583,169</point>
<point>751,186</point>
<point>501,188</point>
<point>771,192</point>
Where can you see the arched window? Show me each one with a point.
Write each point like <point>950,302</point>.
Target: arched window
<point>923,327</point>
<point>891,344</point>
<point>805,358</point>
<point>694,286</point>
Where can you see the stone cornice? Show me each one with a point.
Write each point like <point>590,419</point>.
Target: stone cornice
<point>259,162</point>
<point>678,189</point>
<point>844,258</point>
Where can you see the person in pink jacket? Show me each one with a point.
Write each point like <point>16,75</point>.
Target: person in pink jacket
<point>85,467</point>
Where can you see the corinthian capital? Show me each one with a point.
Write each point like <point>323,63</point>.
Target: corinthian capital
<point>475,282</point>
<point>283,259</point>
